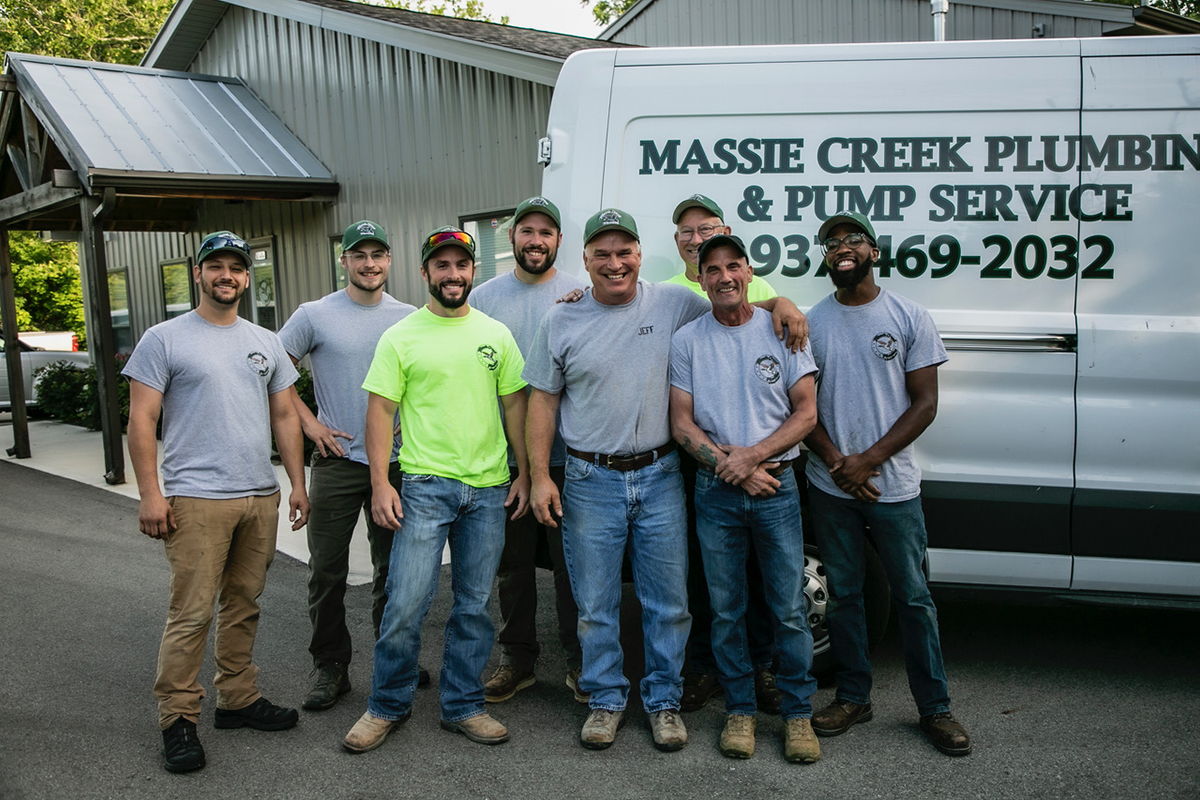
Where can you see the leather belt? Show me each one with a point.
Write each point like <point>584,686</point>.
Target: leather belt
<point>624,463</point>
<point>783,467</point>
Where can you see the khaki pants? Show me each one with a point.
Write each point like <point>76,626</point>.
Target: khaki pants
<point>219,553</point>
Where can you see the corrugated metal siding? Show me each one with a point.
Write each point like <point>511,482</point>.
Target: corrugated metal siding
<point>415,141</point>
<point>669,23</point>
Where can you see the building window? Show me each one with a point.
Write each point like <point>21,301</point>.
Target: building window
<point>493,253</point>
<point>339,275</point>
<point>118,305</point>
<point>261,307</point>
<point>177,286</point>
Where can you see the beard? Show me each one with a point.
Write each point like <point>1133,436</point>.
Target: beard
<point>547,262</point>
<point>206,287</point>
<point>848,280</point>
<point>435,290</point>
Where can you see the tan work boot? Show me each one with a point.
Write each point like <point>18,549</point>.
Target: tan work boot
<point>481,728</point>
<point>601,728</point>
<point>668,729</point>
<point>368,733</point>
<point>800,745</point>
<point>737,740</point>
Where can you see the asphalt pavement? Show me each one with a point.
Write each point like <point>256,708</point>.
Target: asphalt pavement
<point>1062,701</point>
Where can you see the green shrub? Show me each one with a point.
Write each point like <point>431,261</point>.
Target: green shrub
<point>72,395</point>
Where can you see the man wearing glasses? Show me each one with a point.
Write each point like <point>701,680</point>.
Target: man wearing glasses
<point>219,384</point>
<point>338,333</point>
<point>878,354</point>
<point>520,299</point>
<point>697,219</point>
<point>442,367</point>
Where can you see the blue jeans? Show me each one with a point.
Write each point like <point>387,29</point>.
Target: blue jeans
<point>898,530</point>
<point>728,521</point>
<point>435,509</point>
<point>606,513</point>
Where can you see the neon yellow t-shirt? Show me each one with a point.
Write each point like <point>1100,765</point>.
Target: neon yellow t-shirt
<point>758,290</point>
<point>446,373</point>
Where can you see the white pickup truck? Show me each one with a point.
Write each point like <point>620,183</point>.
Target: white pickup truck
<point>1038,197</point>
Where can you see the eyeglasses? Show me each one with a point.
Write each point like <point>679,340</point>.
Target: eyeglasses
<point>852,241</point>
<point>705,231</point>
<point>358,257</point>
<point>442,237</point>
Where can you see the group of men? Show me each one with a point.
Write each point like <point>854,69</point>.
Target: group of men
<point>526,420</point>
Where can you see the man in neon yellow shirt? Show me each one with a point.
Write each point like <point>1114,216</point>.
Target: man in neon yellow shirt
<point>697,219</point>
<point>443,367</point>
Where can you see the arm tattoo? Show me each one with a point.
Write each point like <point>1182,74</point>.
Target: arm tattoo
<point>702,453</point>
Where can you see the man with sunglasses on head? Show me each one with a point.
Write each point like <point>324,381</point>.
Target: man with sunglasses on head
<point>220,385</point>
<point>338,333</point>
<point>520,299</point>
<point>697,220</point>
<point>878,355</point>
<point>442,367</point>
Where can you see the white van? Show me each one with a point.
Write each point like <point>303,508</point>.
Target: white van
<point>1041,198</point>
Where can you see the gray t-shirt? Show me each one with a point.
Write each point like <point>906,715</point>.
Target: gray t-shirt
<point>339,337</point>
<point>521,306</point>
<point>738,378</point>
<point>864,353</point>
<point>216,418</point>
<point>610,364</point>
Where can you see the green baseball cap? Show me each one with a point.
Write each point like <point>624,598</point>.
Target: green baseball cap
<point>610,219</point>
<point>542,206</point>
<point>447,236</point>
<point>697,201</point>
<point>362,230</point>
<point>722,240</point>
<point>223,242</point>
<point>847,218</point>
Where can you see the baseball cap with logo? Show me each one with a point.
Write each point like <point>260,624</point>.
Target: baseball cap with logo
<point>609,219</point>
<point>722,240</point>
<point>447,236</point>
<point>223,242</point>
<point>364,230</point>
<point>540,205</point>
<point>697,201</point>
<point>846,218</point>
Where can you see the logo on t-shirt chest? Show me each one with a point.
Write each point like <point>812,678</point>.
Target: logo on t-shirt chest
<point>488,357</point>
<point>766,369</point>
<point>258,363</point>
<point>645,330</point>
<point>885,346</point>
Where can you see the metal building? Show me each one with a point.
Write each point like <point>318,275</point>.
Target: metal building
<point>670,23</point>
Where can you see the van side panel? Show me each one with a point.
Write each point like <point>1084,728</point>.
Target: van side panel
<point>1138,460</point>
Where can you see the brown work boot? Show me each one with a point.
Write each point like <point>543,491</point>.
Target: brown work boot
<point>947,734</point>
<point>800,745</point>
<point>506,681</point>
<point>766,693</point>
<point>737,740</point>
<point>600,729</point>
<point>573,676</point>
<point>668,729</point>
<point>698,689</point>
<point>838,716</point>
<point>369,732</point>
<point>481,728</point>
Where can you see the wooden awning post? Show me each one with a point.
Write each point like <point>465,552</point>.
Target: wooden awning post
<point>12,353</point>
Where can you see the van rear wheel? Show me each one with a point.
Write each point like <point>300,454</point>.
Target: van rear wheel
<point>876,604</point>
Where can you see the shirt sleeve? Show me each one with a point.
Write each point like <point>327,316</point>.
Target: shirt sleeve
<point>511,364</point>
<point>681,363</point>
<point>297,334</point>
<point>285,373</point>
<point>925,348</point>
<point>800,364</point>
<point>386,377</point>
<point>148,363</point>
<point>543,369</point>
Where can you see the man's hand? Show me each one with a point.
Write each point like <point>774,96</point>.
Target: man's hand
<point>738,465</point>
<point>786,314</point>
<point>156,518</point>
<point>385,507</point>
<point>518,493</point>
<point>298,507</point>
<point>545,500</point>
<point>573,296</point>
<point>853,474</point>
<point>326,439</point>
<point>761,483</point>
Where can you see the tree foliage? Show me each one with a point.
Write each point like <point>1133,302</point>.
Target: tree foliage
<point>1185,8</point>
<point>116,31</point>
<point>605,11</point>
<point>462,9</point>
<point>46,280</point>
